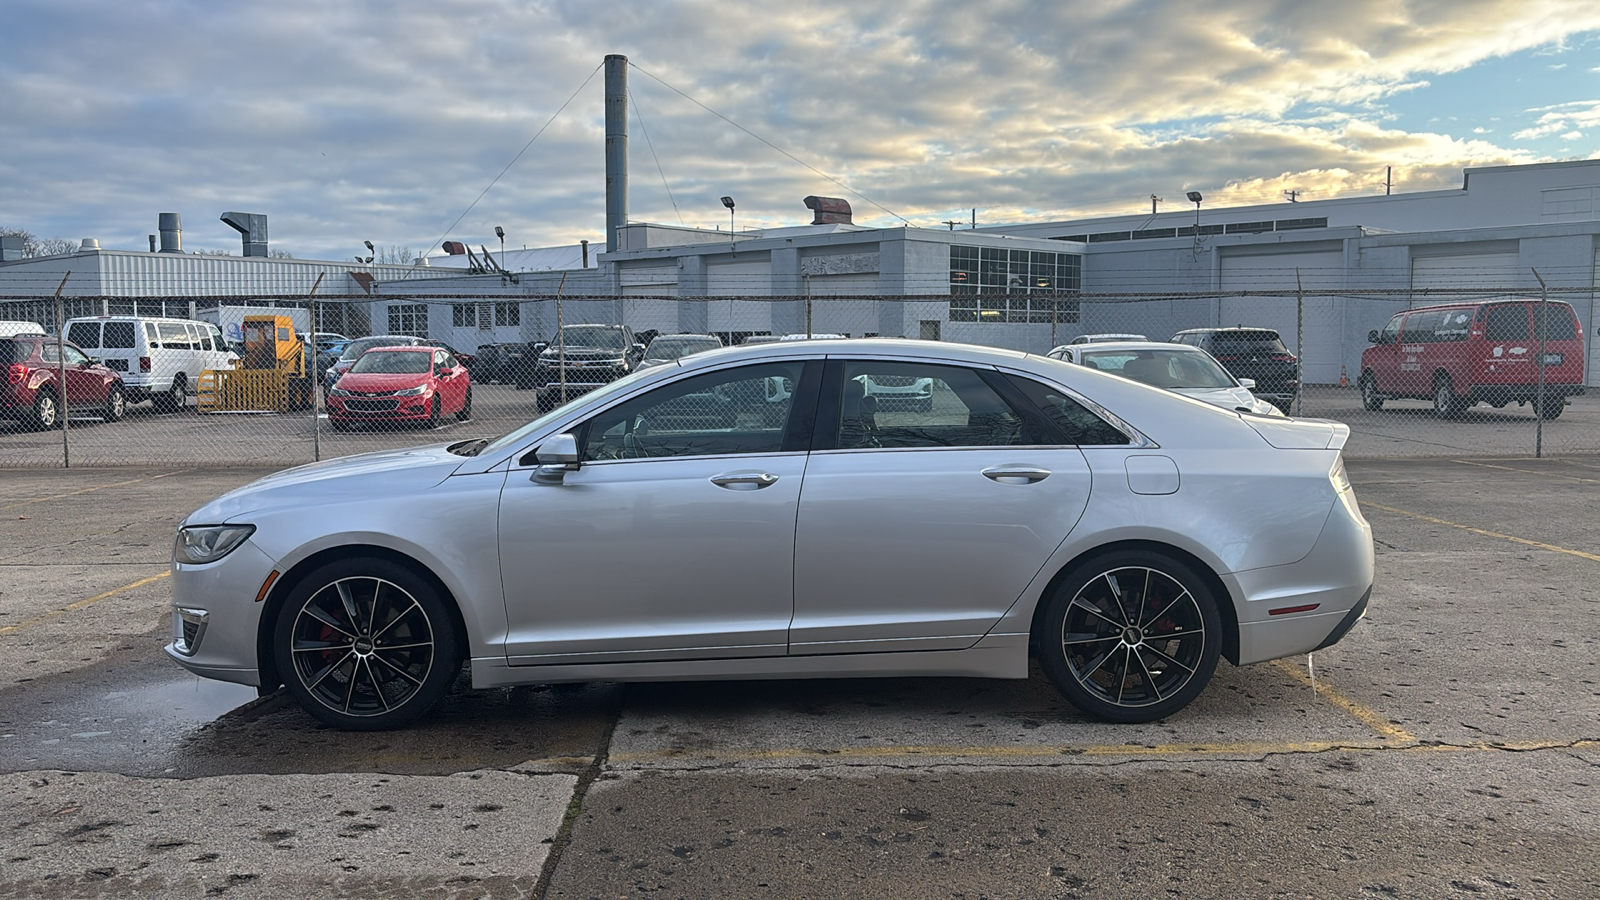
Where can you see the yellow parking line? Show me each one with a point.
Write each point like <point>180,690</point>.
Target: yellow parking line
<point>81,604</point>
<point>1494,534</point>
<point>91,490</point>
<point>1367,716</point>
<point>1469,462</point>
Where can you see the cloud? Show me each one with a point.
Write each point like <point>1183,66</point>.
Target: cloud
<point>384,121</point>
<point>1562,119</point>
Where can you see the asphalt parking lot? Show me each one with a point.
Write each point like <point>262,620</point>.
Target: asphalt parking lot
<point>1448,747</point>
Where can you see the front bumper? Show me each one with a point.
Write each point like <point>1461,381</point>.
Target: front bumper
<point>215,618</point>
<point>380,409</point>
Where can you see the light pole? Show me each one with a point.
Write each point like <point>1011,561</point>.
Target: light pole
<point>501,234</point>
<point>728,202</point>
<point>1195,198</point>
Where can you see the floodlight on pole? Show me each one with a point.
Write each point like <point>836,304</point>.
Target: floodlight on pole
<point>501,234</point>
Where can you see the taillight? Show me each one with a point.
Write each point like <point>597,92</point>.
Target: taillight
<point>1284,358</point>
<point>144,363</point>
<point>15,374</point>
<point>1227,359</point>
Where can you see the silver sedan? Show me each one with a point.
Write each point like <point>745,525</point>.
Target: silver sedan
<point>1125,536</point>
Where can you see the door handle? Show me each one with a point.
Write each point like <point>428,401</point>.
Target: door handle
<point>1015,474</point>
<point>746,481</point>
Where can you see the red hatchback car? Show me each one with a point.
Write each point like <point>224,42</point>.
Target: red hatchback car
<point>401,384</point>
<point>1462,353</point>
<point>31,391</point>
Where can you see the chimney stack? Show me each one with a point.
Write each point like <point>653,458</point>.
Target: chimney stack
<point>171,227</point>
<point>253,228</point>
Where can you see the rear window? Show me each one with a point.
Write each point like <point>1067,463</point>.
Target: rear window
<point>1238,341</point>
<point>14,351</point>
<point>85,334</point>
<point>1556,323</point>
<point>118,336</point>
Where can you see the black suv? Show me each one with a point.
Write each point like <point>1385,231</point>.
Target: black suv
<point>1255,353</point>
<point>589,356</point>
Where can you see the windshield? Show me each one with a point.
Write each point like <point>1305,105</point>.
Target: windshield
<point>600,393</point>
<point>393,362</point>
<point>1163,368</point>
<point>356,348</point>
<point>590,338</point>
<point>677,348</point>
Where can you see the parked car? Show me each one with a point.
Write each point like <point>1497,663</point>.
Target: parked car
<point>760,339</point>
<point>353,350</point>
<point>494,362</point>
<point>1175,367</point>
<point>158,359</point>
<point>580,359</point>
<point>1106,337</point>
<point>1459,354</point>
<point>1254,353</point>
<point>32,390</point>
<point>417,384</point>
<point>1104,527</point>
<point>8,328</point>
<point>668,348</point>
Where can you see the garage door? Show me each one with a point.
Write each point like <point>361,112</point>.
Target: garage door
<point>1317,270</point>
<point>1477,270</point>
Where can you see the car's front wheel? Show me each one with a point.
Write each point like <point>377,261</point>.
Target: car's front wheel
<point>466,407</point>
<point>1130,636</point>
<point>365,644</point>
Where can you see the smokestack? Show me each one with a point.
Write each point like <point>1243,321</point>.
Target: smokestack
<point>171,228</point>
<point>585,253</point>
<point>152,243</point>
<point>616,149</point>
<point>253,228</point>
<point>829,210</point>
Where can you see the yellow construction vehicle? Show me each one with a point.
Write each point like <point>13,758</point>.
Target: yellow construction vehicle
<point>272,376</point>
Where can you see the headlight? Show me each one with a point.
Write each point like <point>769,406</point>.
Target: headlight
<point>200,544</point>
<point>336,392</point>
<point>412,392</point>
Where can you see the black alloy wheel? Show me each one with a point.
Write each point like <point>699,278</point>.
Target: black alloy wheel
<point>1130,636</point>
<point>365,644</point>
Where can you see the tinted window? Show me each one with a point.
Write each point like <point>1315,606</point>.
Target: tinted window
<point>1419,327</point>
<point>1555,322</point>
<point>118,336</point>
<point>1248,340</point>
<point>1453,325</point>
<point>75,357</point>
<point>174,336</point>
<point>592,338</point>
<point>87,334</point>
<point>964,411</point>
<point>47,352</point>
<point>1077,423</point>
<point>734,411</point>
<point>14,352</point>
<point>1162,368</point>
<point>1391,331</point>
<point>1506,323</point>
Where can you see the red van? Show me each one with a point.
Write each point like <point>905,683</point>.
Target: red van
<point>1462,353</point>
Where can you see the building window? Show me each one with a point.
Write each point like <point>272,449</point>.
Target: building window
<point>997,284</point>
<point>461,316</point>
<point>508,313</point>
<point>408,318</point>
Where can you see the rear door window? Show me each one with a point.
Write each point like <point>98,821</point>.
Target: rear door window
<point>13,352</point>
<point>84,334</point>
<point>117,336</point>
<point>1555,323</point>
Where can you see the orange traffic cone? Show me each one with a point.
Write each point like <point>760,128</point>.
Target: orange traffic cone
<point>1344,380</point>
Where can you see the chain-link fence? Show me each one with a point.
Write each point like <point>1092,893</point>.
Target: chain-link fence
<point>241,380</point>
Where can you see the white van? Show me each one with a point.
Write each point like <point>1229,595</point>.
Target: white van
<point>159,359</point>
<point>9,329</point>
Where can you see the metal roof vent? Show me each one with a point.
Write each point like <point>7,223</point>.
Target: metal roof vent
<point>829,210</point>
<point>253,226</point>
<point>88,244</point>
<point>171,228</point>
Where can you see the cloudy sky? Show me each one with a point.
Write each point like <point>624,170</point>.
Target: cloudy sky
<point>384,120</point>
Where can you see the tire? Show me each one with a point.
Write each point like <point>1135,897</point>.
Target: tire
<point>433,412</point>
<point>1371,400</point>
<point>46,411</point>
<point>1552,408</point>
<point>1119,670</point>
<point>172,400</point>
<point>338,424</point>
<point>466,408</point>
<point>1445,401</point>
<point>116,404</point>
<point>365,644</point>
<point>545,400</point>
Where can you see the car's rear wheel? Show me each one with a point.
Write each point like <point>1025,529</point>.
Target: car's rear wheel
<point>46,411</point>
<point>1445,400</point>
<point>1552,407</point>
<point>1130,636</point>
<point>172,399</point>
<point>365,644</point>
<point>116,404</point>
<point>1370,398</point>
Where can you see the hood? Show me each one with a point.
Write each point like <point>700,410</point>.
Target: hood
<point>334,482</point>
<point>381,382</point>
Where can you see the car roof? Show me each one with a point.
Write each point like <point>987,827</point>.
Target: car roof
<point>1226,328</point>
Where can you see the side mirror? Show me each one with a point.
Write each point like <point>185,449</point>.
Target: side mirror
<point>557,456</point>
<point>1373,337</point>
<point>638,348</point>
<point>1248,384</point>
<point>540,346</point>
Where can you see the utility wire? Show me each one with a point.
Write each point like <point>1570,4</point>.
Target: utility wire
<point>763,140</point>
<point>513,162</point>
<point>639,114</point>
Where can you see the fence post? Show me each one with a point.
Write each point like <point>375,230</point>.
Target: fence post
<point>61,373</point>
<point>1538,403</point>
<point>1299,343</point>
<point>316,383</point>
